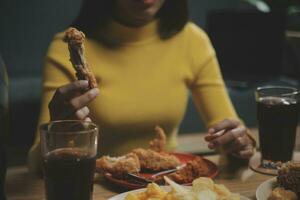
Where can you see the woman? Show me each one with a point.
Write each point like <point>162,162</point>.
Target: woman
<point>146,57</point>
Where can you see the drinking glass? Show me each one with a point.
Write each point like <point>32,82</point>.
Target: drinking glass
<point>69,149</point>
<point>3,123</point>
<point>277,115</point>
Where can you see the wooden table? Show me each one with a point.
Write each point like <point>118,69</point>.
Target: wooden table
<point>237,177</point>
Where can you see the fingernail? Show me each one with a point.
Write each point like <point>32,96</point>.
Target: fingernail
<point>94,91</point>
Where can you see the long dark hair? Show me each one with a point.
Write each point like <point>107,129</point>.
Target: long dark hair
<point>95,14</point>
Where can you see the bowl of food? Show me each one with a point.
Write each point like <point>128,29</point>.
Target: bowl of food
<point>286,186</point>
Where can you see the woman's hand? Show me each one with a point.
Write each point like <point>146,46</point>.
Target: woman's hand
<point>232,136</point>
<point>70,101</point>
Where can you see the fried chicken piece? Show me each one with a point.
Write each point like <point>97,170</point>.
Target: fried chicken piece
<point>159,142</point>
<point>75,39</point>
<point>281,194</point>
<point>193,169</point>
<point>119,167</point>
<point>289,177</point>
<point>155,161</point>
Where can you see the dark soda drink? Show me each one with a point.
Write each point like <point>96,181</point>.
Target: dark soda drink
<point>69,174</point>
<point>277,122</point>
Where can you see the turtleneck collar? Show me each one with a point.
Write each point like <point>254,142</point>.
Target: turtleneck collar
<point>120,33</point>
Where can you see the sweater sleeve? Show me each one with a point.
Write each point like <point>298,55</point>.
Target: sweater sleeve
<point>208,88</point>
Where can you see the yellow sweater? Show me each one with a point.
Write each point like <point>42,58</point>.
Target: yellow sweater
<point>143,83</point>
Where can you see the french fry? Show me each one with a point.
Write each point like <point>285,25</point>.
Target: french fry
<point>203,189</point>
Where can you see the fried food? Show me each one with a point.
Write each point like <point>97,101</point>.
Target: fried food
<point>280,193</point>
<point>159,142</point>
<point>289,177</point>
<point>75,39</point>
<point>153,191</point>
<point>155,161</point>
<point>119,167</point>
<point>193,169</point>
<point>203,188</point>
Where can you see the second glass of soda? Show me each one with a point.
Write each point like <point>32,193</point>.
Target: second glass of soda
<point>277,115</point>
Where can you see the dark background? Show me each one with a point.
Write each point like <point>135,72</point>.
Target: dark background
<point>27,27</point>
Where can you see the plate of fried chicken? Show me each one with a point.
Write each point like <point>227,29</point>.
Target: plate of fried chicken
<point>142,166</point>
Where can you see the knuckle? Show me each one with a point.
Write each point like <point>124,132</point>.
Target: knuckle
<point>239,134</point>
<point>240,141</point>
<point>230,134</point>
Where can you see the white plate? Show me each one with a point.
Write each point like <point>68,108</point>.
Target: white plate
<point>264,190</point>
<point>166,188</point>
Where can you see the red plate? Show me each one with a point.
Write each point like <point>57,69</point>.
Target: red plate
<point>183,157</point>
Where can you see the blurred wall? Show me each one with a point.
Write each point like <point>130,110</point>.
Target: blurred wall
<point>26,28</point>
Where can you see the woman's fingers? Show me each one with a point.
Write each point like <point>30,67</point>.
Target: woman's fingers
<point>246,153</point>
<point>83,100</point>
<point>225,124</point>
<point>70,102</point>
<point>232,136</point>
<point>82,113</point>
<point>237,144</point>
<point>227,137</point>
<point>71,90</point>
<point>88,119</point>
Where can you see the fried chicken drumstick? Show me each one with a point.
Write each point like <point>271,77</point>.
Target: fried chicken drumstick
<point>75,39</point>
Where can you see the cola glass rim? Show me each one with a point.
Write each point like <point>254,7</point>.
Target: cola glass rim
<point>44,127</point>
<point>66,130</point>
<point>263,91</point>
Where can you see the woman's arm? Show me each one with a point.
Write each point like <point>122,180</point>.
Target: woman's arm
<point>225,128</point>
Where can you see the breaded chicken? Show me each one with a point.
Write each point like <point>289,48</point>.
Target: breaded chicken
<point>75,40</point>
<point>155,161</point>
<point>289,177</point>
<point>119,167</point>
<point>280,193</point>
<point>159,142</point>
<point>193,169</point>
